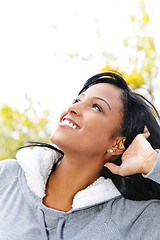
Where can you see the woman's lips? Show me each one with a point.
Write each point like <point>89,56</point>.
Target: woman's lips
<point>69,123</point>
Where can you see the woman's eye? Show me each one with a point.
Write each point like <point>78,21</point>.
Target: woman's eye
<point>97,107</point>
<point>75,101</point>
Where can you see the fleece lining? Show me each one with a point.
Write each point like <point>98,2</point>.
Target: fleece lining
<point>37,164</point>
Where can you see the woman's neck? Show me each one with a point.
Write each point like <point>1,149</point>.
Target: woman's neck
<point>71,176</point>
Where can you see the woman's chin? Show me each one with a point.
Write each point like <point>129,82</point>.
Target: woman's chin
<point>57,138</point>
<point>53,138</point>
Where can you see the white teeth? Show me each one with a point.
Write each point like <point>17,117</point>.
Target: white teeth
<point>70,124</point>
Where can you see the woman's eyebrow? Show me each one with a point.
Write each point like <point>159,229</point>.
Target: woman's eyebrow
<point>99,99</point>
<point>103,101</point>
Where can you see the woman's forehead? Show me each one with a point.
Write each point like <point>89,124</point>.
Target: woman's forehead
<point>104,89</point>
<point>109,92</point>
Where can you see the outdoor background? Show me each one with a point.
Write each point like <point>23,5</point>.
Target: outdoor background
<point>49,48</point>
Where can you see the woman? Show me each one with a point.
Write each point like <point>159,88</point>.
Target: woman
<point>103,180</point>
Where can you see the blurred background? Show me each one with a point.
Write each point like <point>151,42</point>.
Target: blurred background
<point>48,49</point>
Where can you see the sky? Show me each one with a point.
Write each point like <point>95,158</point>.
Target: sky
<point>48,49</point>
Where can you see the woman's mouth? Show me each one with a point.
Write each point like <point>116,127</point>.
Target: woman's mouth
<point>69,123</point>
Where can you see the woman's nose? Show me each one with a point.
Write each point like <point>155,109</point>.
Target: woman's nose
<point>75,108</point>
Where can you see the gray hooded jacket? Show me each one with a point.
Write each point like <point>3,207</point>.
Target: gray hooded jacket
<point>99,212</point>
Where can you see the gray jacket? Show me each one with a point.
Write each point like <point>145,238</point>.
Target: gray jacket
<point>98,212</point>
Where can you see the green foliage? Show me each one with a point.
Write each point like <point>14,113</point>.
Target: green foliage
<point>135,79</point>
<point>17,127</point>
<point>143,62</point>
<point>147,68</point>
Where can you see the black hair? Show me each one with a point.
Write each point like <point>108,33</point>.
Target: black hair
<point>137,112</point>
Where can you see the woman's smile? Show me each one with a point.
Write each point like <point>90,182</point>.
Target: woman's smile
<point>67,122</point>
<point>96,114</point>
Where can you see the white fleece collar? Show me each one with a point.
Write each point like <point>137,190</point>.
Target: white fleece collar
<point>99,191</point>
<point>37,164</point>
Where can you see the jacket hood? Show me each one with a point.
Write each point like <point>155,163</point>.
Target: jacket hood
<point>37,164</point>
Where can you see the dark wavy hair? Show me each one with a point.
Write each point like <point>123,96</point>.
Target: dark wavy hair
<point>137,112</point>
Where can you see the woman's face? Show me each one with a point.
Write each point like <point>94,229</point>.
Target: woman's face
<point>87,127</point>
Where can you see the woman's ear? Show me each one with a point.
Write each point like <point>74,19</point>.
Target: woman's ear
<point>118,147</point>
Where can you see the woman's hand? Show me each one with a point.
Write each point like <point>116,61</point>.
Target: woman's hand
<point>139,157</point>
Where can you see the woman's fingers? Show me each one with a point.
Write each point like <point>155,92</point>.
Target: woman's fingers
<point>139,157</point>
<point>146,132</point>
<point>113,167</point>
<point>122,170</point>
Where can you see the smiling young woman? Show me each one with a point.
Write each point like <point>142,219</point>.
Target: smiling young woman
<point>105,156</point>
<point>97,115</point>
